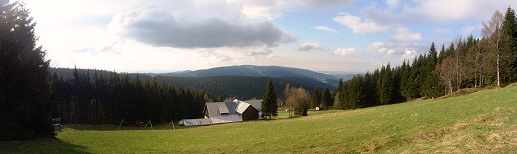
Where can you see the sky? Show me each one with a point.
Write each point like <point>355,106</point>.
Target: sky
<point>320,35</point>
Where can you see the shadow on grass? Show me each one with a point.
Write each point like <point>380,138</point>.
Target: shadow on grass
<point>45,145</point>
<point>84,127</point>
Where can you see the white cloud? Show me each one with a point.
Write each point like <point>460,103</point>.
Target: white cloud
<point>403,35</point>
<point>467,30</point>
<point>394,49</point>
<point>271,9</point>
<point>433,11</point>
<point>261,53</point>
<point>392,3</point>
<point>310,46</point>
<point>446,10</point>
<point>325,28</point>
<point>409,54</point>
<point>377,63</point>
<point>378,47</point>
<point>195,24</point>
<point>344,51</point>
<point>357,25</point>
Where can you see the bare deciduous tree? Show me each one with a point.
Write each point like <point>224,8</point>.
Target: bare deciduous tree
<point>299,99</point>
<point>446,70</point>
<point>492,33</point>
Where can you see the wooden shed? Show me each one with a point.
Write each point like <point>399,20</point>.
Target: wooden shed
<point>247,112</point>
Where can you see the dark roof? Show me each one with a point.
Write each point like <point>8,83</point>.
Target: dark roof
<point>214,108</point>
<point>257,104</point>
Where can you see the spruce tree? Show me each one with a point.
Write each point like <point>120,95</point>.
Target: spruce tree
<point>24,86</point>
<point>510,46</point>
<point>385,85</point>
<point>316,98</point>
<point>326,98</point>
<point>431,87</point>
<point>269,106</point>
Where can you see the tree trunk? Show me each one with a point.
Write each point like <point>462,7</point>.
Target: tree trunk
<point>450,87</point>
<point>475,80</point>
<point>498,77</point>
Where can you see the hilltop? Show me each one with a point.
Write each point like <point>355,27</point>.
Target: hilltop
<point>257,71</point>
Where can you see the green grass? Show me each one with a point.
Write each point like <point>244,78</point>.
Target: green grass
<point>482,122</point>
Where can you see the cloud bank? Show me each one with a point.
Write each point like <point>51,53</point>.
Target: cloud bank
<point>196,24</point>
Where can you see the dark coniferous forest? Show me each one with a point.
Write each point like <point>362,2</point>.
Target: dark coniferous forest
<point>468,62</point>
<point>104,97</point>
<point>107,97</point>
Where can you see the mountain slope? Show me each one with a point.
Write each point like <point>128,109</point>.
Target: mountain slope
<point>257,71</point>
<point>242,87</point>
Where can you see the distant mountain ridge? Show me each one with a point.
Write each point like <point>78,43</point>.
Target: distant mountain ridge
<point>225,86</point>
<point>257,71</point>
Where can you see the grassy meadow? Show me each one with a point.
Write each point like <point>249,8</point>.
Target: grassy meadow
<point>482,122</point>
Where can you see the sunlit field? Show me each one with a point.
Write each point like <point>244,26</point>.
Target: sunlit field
<point>482,122</point>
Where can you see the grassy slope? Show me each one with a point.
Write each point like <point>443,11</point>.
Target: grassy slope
<point>483,122</point>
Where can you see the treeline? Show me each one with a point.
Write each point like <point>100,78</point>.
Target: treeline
<point>107,97</point>
<point>466,63</point>
<point>241,87</point>
<point>226,87</point>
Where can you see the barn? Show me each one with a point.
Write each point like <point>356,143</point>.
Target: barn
<point>247,111</point>
<point>221,112</point>
<point>236,111</point>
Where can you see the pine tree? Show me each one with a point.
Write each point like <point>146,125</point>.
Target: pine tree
<point>385,85</point>
<point>326,98</point>
<point>510,46</point>
<point>316,98</point>
<point>24,85</point>
<point>371,97</point>
<point>405,83</point>
<point>431,87</point>
<point>269,106</point>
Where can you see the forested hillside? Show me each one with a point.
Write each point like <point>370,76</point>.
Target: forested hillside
<point>104,97</point>
<point>468,62</point>
<point>242,87</point>
<point>257,71</point>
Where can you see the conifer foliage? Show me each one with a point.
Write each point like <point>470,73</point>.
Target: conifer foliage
<point>269,106</point>
<point>102,97</point>
<point>469,62</point>
<point>24,87</point>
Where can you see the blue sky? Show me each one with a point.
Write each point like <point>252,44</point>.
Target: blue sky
<point>320,35</point>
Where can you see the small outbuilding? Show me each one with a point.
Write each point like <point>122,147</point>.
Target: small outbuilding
<point>246,111</point>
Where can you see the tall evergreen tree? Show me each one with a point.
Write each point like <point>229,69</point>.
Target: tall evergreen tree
<point>385,85</point>
<point>431,87</point>
<point>510,45</point>
<point>316,98</point>
<point>24,86</point>
<point>269,106</point>
<point>326,98</point>
<point>371,97</point>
